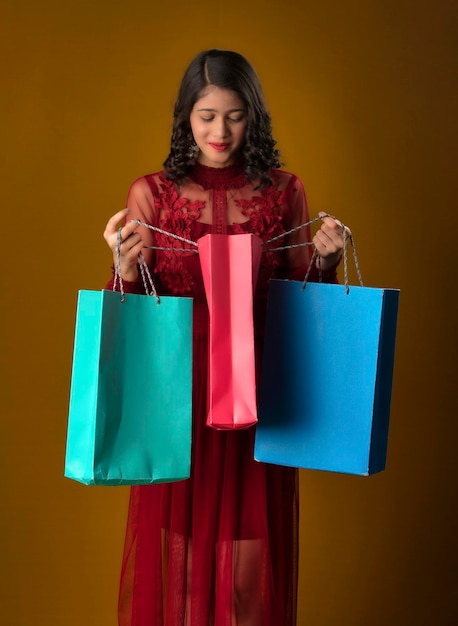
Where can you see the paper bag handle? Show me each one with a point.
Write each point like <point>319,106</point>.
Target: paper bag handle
<point>347,236</point>
<point>147,279</point>
<point>194,244</point>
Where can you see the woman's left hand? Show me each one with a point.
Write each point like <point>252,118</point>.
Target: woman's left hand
<point>329,242</point>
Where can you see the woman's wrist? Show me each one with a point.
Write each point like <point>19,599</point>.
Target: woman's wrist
<point>328,263</point>
<point>128,271</point>
<point>131,275</point>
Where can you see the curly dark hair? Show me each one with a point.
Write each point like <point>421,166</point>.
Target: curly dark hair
<point>227,70</point>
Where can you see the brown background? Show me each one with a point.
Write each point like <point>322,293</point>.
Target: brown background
<point>363,97</point>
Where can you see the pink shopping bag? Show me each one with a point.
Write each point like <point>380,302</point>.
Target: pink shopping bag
<point>230,265</point>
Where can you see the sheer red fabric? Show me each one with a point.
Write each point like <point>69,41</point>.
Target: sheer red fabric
<point>219,549</point>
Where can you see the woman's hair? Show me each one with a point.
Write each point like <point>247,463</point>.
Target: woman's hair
<point>226,70</point>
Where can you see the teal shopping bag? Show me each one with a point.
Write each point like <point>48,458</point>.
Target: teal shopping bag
<point>130,401</point>
<point>327,377</point>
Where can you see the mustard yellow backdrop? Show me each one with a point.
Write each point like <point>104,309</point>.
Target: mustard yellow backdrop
<point>363,96</point>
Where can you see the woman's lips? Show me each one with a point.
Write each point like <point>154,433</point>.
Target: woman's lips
<point>220,147</point>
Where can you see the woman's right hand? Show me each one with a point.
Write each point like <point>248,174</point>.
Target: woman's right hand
<point>131,243</point>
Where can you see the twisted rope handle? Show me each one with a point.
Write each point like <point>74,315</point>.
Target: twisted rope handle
<point>347,236</point>
<point>147,279</point>
<point>151,290</point>
<point>144,271</point>
<point>294,230</point>
<point>117,276</point>
<point>169,234</point>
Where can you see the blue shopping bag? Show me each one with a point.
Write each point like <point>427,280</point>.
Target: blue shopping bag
<point>130,401</point>
<point>327,377</point>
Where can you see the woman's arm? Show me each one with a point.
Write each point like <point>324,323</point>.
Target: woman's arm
<point>328,240</point>
<point>140,206</point>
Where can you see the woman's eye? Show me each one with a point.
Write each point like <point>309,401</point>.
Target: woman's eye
<point>233,120</point>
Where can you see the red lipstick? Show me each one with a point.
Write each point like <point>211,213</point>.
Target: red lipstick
<point>220,147</point>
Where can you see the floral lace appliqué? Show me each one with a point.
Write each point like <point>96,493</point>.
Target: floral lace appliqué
<point>265,214</point>
<point>178,216</point>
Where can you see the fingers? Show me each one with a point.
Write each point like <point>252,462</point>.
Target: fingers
<point>329,240</point>
<point>333,222</point>
<point>131,244</point>
<point>131,241</point>
<point>113,223</point>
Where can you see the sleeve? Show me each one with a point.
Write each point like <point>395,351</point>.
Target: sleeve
<point>298,258</point>
<point>143,207</point>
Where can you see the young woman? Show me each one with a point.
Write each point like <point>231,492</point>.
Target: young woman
<point>219,549</point>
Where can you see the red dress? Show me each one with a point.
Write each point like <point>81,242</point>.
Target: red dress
<point>219,549</point>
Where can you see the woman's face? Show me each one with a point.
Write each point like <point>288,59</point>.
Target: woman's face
<point>218,122</point>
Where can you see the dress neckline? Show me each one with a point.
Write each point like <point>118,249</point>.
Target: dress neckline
<point>229,177</point>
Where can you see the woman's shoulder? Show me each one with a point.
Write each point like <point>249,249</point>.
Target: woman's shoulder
<point>146,179</point>
<point>285,175</point>
<point>148,183</point>
<point>284,179</point>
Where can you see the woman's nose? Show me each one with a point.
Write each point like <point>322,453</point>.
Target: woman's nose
<point>220,129</point>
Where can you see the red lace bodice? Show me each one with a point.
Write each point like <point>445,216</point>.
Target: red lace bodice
<point>217,200</point>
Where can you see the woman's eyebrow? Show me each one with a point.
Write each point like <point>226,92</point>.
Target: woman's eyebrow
<point>216,111</point>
